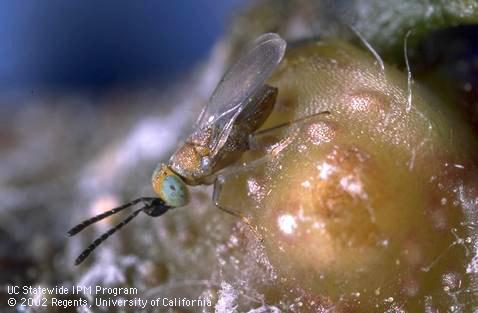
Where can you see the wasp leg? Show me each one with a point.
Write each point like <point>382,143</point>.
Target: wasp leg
<point>231,170</point>
<point>218,183</point>
<point>254,140</point>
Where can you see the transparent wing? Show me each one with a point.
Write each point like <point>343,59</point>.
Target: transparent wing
<point>236,88</point>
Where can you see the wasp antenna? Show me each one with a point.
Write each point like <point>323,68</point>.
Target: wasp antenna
<point>105,236</point>
<point>75,230</point>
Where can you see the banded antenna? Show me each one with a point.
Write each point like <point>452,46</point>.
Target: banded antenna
<point>75,230</point>
<point>78,228</point>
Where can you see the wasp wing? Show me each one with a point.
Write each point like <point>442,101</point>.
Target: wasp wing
<point>238,86</point>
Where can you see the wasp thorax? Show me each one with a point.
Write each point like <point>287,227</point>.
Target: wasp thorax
<point>189,162</point>
<point>169,186</point>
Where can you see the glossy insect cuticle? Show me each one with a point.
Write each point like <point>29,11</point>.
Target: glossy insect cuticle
<point>240,104</point>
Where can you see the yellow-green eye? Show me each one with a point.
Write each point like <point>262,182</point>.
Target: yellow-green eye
<point>170,187</point>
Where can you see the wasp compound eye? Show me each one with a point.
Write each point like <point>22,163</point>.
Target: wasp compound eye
<point>170,187</point>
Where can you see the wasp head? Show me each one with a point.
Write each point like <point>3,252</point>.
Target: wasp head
<point>169,186</point>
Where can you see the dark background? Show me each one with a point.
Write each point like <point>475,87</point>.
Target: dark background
<point>91,45</point>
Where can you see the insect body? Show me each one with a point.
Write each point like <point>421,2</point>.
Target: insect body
<point>239,105</point>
